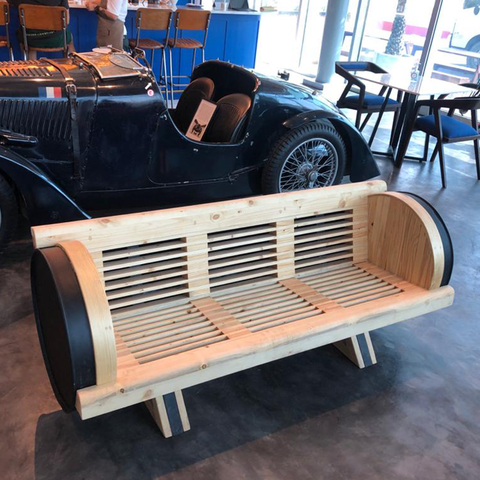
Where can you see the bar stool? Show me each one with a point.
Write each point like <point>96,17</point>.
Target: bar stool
<point>5,22</point>
<point>35,17</point>
<point>184,19</point>
<point>153,19</point>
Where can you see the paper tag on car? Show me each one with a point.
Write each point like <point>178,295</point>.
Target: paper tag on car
<point>200,121</point>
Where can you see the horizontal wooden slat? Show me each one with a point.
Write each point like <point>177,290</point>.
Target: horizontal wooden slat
<point>148,286</point>
<point>320,252</point>
<point>322,228</point>
<point>141,279</point>
<point>183,348</point>
<point>143,249</point>
<point>143,260</point>
<point>241,232</point>
<point>142,269</point>
<point>198,366</point>
<point>332,217</point>
<point>155,321</point>
<point>234,243</point>
<point>143,228</point>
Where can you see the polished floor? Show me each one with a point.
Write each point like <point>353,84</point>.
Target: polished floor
<point>414,415</point>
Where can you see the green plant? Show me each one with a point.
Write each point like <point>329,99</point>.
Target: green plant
<point>396,44</point>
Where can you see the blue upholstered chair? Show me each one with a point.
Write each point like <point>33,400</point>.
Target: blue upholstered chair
<point>364,102</point>
<point>445,128</point>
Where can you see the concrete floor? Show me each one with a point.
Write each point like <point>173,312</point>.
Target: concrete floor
<point>414,415</point>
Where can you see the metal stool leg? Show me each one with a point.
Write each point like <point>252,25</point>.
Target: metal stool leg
<point>165,75</point>
<point>203,55</point>
<point>171,75</point>
<point>193,61</point>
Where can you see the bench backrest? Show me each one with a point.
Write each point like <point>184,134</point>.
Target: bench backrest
<point>198,250</point>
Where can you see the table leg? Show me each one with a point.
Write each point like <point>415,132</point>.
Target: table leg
<point>400,121</point>
<point>403,123</point>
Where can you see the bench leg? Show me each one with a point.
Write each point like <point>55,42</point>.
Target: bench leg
<point>358,349</point>
<point>169,413</point>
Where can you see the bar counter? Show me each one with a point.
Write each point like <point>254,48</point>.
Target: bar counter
<point>232,36</point>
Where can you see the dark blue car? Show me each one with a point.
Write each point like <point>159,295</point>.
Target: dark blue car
<point>92,134</point>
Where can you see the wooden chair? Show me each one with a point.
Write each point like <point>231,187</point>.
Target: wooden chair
<point>141,306</point>
<point>153,19</point>
<point>364,102</point>
<point>36,17</point>
<point>5,22</point>
<point>445,128</point>
<point>191,20</point>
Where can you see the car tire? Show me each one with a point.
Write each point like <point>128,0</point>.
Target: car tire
<point>475,48</point>
<point>8,214</point>
<point>290,165</point>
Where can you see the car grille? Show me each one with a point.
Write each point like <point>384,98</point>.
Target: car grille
<point>48,119</point>
<point>30,68</point>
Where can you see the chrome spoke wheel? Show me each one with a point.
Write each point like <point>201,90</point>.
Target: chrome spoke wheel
<point>312,164</point>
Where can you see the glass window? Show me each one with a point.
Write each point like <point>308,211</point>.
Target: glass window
<point>291,37</point>
<point>277,41</point>
<point>455,54</point>
<point>395,33</point>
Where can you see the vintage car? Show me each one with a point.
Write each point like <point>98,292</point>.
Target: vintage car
<point>92,134</point>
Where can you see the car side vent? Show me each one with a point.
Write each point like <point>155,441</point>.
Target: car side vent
<point>29,68</point>
<point>48,119</point>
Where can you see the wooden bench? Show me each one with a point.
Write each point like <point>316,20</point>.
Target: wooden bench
<point>136,308</point>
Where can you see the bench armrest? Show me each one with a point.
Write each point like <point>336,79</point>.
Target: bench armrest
<point>73,320</point>
<point>407,237</point>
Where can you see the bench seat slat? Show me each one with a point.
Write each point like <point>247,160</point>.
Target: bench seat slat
<point>157,321</point>
<point>174,369</point>
<point>259,308</point>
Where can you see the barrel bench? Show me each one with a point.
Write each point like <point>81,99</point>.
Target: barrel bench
<point>135,308</point>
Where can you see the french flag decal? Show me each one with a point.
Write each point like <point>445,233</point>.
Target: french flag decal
<point>50,92</point>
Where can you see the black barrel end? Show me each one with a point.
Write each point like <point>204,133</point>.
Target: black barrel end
<point>444,235</point>
<point>62,324</point>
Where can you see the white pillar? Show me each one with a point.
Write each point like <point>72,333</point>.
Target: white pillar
<point>331,42</point>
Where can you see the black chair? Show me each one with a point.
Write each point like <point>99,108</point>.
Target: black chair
<point>445,128</point>
<point>364,102</point>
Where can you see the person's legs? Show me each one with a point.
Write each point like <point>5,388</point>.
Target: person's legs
<point>110,32</point>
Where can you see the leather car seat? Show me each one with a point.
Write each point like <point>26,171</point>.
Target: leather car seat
<point>198,90</point>
<point>229,119</point>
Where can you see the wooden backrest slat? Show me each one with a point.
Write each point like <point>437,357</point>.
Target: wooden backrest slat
<point>4,13</point>
<point>225,245</point>
<point>109,233</point>
<point>153,19</point>
<point>191,19</point>
<point>39,17</point>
